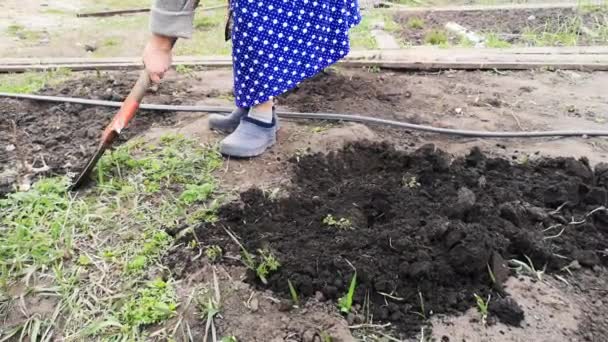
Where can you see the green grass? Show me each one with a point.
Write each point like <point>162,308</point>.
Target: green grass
<point>21,32</point>
<point>360,36</point>
<point>111,41</point>
<point>96,252</point>
<point>563,31</point>
<point>208,38</point>
<point>31,82</point>
<point>494,41</point>
<point>436,37</point>
<point>415,23</point>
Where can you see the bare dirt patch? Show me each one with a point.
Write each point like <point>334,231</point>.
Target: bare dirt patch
<point>509,25</point>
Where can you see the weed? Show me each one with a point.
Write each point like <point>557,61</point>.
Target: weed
<point>325,337</point>
<point>21,32</point>
<point>155,303</point>
<point>415,23</point>
<point>267,265</point>
<point>213,253</point>
<point>229,339</point>
<point>184,69</point>
<point>35,224</point>
<point>118,227</point>
<point>374,69</point>
<point>482,307</point>
<point>111,41</point>
<point>494,41</point>
<point>197,193</point>
<point>563,31</point>
<point>31,82</point>
<point>422,312</point>
<point>84,260</point>
<point>342,223</point>
<point>345,303</point>
<point>294,294</point>
<point>436,37</point>
<point>410,182</point>
<point>465,42</point>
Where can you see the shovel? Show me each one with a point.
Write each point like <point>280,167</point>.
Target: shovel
<point>119,122</point>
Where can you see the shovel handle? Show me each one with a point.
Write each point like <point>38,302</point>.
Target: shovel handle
<point>128,109</point>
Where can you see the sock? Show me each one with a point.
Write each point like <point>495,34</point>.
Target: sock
<point>264,116</point>
<point>240,111</point>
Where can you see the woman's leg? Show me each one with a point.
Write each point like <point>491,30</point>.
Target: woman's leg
<point>262,112</point>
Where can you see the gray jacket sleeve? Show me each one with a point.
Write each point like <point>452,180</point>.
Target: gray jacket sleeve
<point>173,18</point>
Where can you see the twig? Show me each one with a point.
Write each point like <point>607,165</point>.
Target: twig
<point>369,326</point>
<point>516,120</point>
<point>391,296</point>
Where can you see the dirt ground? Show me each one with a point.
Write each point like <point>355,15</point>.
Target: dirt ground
<point>63,135</point>
<point>521,26</point>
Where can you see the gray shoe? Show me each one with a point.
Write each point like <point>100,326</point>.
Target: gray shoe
<point>228,123</point>
<point>251,138</point>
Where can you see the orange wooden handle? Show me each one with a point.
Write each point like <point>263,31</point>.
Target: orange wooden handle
<point>128,109</point>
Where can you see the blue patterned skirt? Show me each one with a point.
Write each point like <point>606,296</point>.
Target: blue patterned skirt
<point>279,43</point>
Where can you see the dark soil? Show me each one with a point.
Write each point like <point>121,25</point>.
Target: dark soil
<point>358,93</point>
<point>64,135</point>
<point>422,226</point>
<point>509,25</point>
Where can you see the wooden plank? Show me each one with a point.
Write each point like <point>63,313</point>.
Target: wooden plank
<point>410,59</point>
<point>414,51</point>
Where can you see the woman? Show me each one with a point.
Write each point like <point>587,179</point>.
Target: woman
<point>276,44</point>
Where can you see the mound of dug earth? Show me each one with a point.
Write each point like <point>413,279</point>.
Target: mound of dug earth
<point>421,230</point>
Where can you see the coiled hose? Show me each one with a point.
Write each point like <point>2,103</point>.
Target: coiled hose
<point>323,116</point>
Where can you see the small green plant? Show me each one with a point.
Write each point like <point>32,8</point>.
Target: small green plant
<point>213,253</point>
<point>138,263</point>
<point>345,303</point>
<point>294,293</point>
<point>155,303</point>
<point>410,182</point>
<point>197,193</point>
<point>267,265</point>
<point>325,337</point>
<point>374,69</point>
<point>21,32</point>
<point>111,41</point>
<point>494,41</point>
<point>229,339</point>
<point>436,37</point>
<point>84,260</point>
<point>342,223</point>
<point>184,69</point>
<point>482,307</point>
<point>416,23</point>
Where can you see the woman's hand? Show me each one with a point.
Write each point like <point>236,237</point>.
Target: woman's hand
<point>158,56</point>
